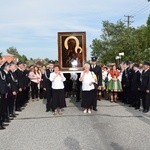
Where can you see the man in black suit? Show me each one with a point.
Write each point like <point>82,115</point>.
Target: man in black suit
<point>135,87</point>
<point>6,68</point>
<point>98,72</point>
<point>14,89</point>
<point>20,77</point>
<point>126,83</point>
<point>3,93</point>
<point>145,87</point>
<point>47,84</point>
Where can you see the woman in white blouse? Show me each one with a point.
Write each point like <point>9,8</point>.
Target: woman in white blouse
<point>58,93</point>
<point>88,80</point>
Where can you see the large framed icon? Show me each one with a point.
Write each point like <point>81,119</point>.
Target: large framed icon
<point>71,50</point>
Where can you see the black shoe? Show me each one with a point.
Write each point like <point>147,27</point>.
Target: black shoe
<point>95,109</point>
<point>145,111</point>
<point>19,109</point>
<point>5,124</point>
<point>7,120</point>
<point>137,108</point>
<point>47,110</point>
<point>11,118</point>
<point>2,127</point>
<point>12,115</point>
<point>16,114</point>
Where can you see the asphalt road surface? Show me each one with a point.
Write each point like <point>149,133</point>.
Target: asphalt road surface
<point>114,127</point>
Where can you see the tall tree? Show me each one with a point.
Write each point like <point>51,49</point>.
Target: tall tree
<point>116,38</point>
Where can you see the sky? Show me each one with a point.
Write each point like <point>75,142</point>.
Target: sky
<point>31,26</point>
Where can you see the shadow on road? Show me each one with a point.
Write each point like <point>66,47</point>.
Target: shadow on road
<point>72,143</point>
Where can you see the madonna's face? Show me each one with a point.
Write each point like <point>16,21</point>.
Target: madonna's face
<point>71,44</point>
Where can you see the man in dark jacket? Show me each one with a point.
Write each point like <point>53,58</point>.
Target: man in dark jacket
<point>3,93</point>
<point>145,87</point>
<point>47,84</point>
<point>14,89</point>
<point>98,72</point>
<point>20,77</point>
<point>126,83</point>
<point>135,87</point>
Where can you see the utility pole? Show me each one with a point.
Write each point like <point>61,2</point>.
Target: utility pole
<point>129,20</point>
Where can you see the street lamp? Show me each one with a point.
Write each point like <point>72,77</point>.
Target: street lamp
<point>121,54</point>
<point>118,60</point>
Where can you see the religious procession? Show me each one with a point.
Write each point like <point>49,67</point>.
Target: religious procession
<point>128,83</point>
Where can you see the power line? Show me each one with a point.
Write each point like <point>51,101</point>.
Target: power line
<point>141,10</point>
<point>137,8</point>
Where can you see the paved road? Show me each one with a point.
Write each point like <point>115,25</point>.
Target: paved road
<point>113,127</point>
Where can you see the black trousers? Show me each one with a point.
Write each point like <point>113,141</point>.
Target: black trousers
<point>49,98</point>
<point>34,90</point>
<point>145,100</point>
<point>2,109</point>
<point>126,94</point>
<point>12,101</point>
<point>78,91</point>
<point>135,98</point>
<point>6,107</point>
<point>95,99</point>
<point>19,100</point>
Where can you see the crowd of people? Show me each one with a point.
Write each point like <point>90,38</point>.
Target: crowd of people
<point>128,83</point>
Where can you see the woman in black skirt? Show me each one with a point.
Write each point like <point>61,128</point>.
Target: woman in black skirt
<point>88,80</point>
<point>58,93</point>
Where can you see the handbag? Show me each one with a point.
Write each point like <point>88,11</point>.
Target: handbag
<point>95,80</point>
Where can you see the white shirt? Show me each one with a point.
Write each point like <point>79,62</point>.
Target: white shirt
<point>74,76</point>
<point>104,74</point>
<point>87,80</point>
<point>57,80</point>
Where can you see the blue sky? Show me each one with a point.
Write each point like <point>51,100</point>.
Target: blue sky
<point>32,25</point>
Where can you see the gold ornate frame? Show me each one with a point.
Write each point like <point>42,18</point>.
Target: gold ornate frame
<point>71,50</point>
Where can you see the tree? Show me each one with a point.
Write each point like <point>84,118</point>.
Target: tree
<point>116,38</point>
<point>13,51</point>
<point>46,61</point>
<point>148,21</point>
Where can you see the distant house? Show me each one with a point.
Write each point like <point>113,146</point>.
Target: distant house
<point>9,58</point>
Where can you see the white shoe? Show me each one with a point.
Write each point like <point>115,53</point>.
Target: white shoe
<point>89,111</point>
<point>85,111</point>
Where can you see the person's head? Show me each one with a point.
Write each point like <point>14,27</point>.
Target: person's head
<point>56,68</point>
<point>6,66</point>
<point>135,67</point>
<point>12,66</point>
<point>146,65</point>
<point>36,68</point>
<point>93,60</point>
<point>114,68</point>
<point>31,68</point>
<point>125,64</point>
<point>44,67</point>
<point>1,59</point>
<point>20,65</point>
<point>131,64</point>
<point>141,66</point>
<point>105,68</point>
<point>86,67</point>
<point>51,64</point>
